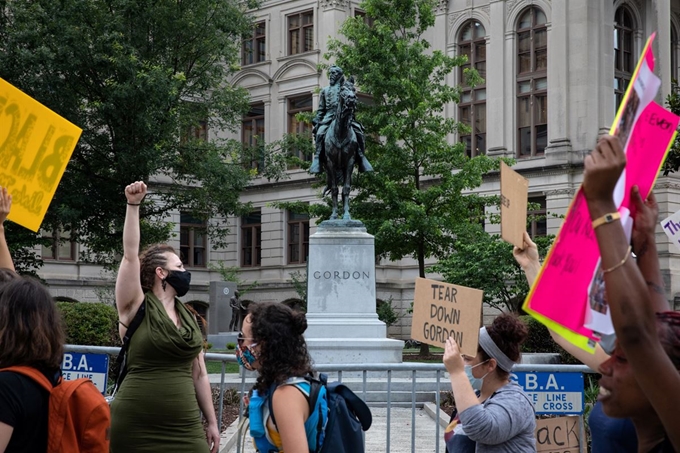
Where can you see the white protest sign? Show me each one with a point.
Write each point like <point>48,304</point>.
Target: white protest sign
<point>671,226</point>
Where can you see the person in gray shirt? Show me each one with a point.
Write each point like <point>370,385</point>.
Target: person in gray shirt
<point>501,418</point>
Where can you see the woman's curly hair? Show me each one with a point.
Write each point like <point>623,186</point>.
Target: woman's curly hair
<point>283,352</point>
<point>151,258</point>
<point>508,332</point>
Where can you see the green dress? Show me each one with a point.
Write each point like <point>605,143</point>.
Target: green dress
<point>155,409</point>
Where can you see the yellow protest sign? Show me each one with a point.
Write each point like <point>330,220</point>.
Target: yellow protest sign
<point>35,146</point>
<point>442,310</point>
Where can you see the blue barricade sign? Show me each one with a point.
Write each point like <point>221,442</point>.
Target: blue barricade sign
<point>553,393</point>
<point>92,366</point>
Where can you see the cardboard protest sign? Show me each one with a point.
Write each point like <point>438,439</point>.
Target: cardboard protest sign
<point>441,310</point>
<point>514,199</point>
<point>558,435</point>
<point>671,226</point>
<point>35,146</point>
<point>647,130</point>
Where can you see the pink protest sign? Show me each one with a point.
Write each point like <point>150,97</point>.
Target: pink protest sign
<point>647,130</point>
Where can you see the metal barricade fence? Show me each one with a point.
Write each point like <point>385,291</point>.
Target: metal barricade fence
<point>336,371</point>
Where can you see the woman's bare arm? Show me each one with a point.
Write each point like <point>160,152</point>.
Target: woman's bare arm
<point>129,294</point>
<point>5,205</point>
<point>527,258</point>
<point>632,313</point>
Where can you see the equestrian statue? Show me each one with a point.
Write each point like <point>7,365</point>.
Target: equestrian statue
<point>339,138</point>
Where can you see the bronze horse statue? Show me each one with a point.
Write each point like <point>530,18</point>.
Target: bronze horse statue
<point>340,145</point>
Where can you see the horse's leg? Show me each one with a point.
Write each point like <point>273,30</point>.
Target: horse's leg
<point>349,167</point>
<point>332,183</point>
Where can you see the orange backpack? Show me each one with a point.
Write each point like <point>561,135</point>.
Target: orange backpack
<point>79,416</point>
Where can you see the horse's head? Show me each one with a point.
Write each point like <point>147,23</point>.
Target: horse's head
<point>348,99</point>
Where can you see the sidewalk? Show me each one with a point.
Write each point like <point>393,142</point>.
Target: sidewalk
<point>376,437</point>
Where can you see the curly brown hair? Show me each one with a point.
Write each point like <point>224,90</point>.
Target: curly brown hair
<point>508,332</point>
<point>151,258</point>
<point>31,328</point>
<point>283,351</point>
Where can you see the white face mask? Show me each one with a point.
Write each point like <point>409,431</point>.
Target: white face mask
<point>476,383</point>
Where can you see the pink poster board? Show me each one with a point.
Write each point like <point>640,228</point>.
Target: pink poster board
<point>648,130</point>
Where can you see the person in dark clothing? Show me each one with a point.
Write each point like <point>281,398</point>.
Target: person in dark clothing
<point>31,334</point>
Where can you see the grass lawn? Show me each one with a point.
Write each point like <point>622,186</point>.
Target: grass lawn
<point>216,367</point>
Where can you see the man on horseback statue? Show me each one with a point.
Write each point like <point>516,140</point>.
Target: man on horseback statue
<point>328,102</point>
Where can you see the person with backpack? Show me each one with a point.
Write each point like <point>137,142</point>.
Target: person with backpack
<point>501,417</point>
<point>38,411</point>
<point>31,334</point>
<point>282,416</point>
<point>156,408</point>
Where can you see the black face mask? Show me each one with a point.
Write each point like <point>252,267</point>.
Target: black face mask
<point>180,280</point>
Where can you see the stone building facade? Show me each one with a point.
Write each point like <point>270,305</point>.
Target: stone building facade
<point>554,71</point>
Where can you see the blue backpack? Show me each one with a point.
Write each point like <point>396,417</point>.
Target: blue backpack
<point>348,416</point>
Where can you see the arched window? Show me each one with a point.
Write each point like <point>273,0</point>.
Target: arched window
<point>472,106</point>
<point>624,65</point>
<point>532,83</point>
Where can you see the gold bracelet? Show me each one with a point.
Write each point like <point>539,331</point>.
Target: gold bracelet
<point>607,218</point>
<point>621,263</point>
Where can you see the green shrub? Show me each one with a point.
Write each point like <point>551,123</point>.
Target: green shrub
<point>231,346</point>
<point>92,324</point>
<point>387,313</point>
<point>539,340</point>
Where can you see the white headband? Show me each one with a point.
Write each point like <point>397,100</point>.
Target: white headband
<point>493,351</point>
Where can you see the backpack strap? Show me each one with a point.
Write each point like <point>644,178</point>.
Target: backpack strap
<point>121,360</point>
<point>32,373</point>
<point>311,398</point>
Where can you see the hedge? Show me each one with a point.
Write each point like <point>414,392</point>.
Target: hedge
<point>93,324</point>
<point>539,340</point>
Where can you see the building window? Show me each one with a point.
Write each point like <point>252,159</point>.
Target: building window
<point>61,246</point>
<point>368,20</point>
<point>532,83</point>
<point>298,238</point>
<point>624,65</point>
<point>252,136</point>
<point>538,225</point>
<point>300,32</point>
<point>472,106</point>
<point>251,239</point>
<point>298,105</point>
<point>192,240</point>
<point>254,46</point>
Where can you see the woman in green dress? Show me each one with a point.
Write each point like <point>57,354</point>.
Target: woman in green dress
<point>157,407</point>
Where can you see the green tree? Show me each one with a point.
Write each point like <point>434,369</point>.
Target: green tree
<point>673,104</point>
<point>413,203</point>
<point>143,80</point>
<point>485,262</point>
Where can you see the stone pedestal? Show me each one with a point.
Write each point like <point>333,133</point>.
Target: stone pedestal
<point>343,326</point>
<point>219,314</point>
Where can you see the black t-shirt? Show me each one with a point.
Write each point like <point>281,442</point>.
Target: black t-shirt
<point>24,406</point>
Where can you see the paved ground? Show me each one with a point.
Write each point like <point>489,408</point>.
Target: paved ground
<point>376,437</point>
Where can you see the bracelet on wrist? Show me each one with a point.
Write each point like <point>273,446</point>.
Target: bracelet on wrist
<point>607,218</point>
<point>621,263</point>
<point>133,204</point>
